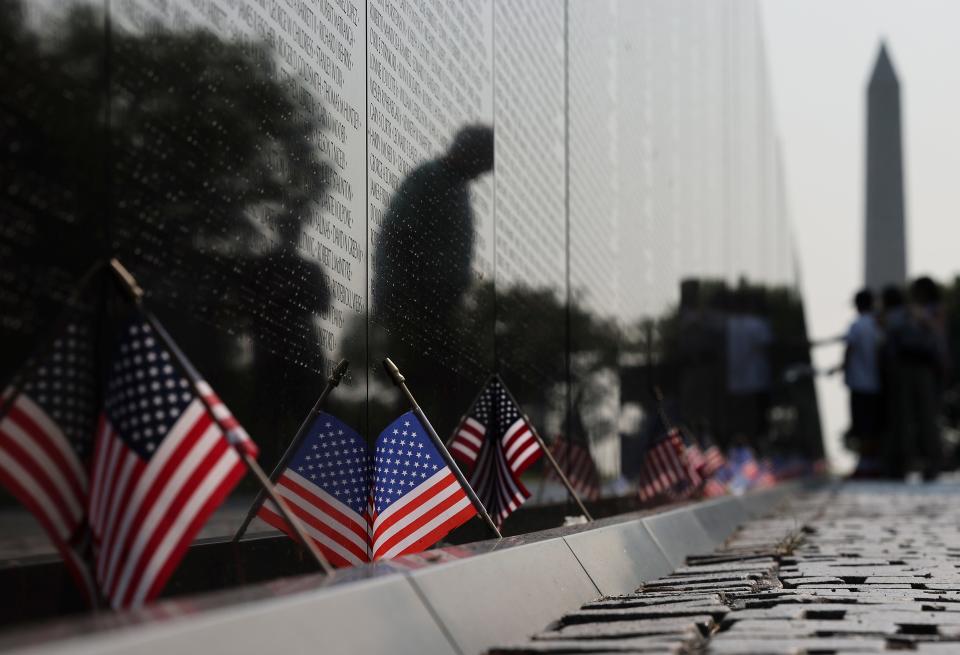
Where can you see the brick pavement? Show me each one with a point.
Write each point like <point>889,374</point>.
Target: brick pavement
<point>862,570</point>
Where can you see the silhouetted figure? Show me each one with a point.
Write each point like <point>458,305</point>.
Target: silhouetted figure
<point>911,372</point>
<point>861,373</point>
<point>749,338</point>
<point>425,249</point>
<point>700,342</point>
<point>928,301</point>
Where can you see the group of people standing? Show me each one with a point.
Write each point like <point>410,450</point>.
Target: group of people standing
<point>897,365</point>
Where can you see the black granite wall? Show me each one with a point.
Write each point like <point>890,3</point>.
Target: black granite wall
<point>504,185</point>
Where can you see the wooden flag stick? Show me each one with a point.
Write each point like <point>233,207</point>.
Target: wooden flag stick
<point>332,382</point>
<point>136,294</point>
<point>546,451</point>
<point>400,381</point>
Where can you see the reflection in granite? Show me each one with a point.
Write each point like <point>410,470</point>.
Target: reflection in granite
<point>52,163</point>
<point>288,182</point>
<point>425,247</point>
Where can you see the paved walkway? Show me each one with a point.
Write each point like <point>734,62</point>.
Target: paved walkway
<point>866,569</point>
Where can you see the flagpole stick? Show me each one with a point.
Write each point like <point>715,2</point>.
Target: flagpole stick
<point>332,382</point>
<point>400,381</point>
<point>546,451</point>
<point>129,283</point>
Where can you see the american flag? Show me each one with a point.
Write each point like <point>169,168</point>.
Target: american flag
<point>767,477</point>
<point>577,464</point>
<point>327,485</point>
<point>415,496</point>
<point>46,436</point>
<point>695,457</point>
<point>496,445</point>
<point>161,465</point>
<point>707,463</point>
<point>744,469</point>
<point>714,488</point>
<point>665,471</point>
<point>713,460</point>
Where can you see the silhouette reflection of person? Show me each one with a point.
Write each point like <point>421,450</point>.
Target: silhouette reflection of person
<point>425,249</point>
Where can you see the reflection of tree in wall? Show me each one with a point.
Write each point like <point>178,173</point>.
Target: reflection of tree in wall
<point>214,156</point>
<point>52,194</point>
<point>186,158</point>
<point>212,170</point>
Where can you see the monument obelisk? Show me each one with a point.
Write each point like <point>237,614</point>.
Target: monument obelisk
<point>886,245</point>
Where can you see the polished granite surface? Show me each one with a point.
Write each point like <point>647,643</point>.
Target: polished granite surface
<point>541,189</point>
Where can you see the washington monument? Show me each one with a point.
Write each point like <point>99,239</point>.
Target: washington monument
<point>886,245</point>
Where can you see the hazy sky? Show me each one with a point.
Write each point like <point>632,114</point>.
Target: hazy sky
<point>821,53</point>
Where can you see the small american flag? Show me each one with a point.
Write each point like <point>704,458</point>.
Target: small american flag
<point>496,444</point>
<point>744,470</point>
<point>46,436</point>
<point>714,488</point>
<point>356,508</point>
<point>695,457</point>
<point>577,464</point>
<point>326,485</point>
<point>713,460</point>
<point>416,498</point>
<point>706,463</point>
<point>767,477</point>
<point>665,471</point>
<point>161,465</point>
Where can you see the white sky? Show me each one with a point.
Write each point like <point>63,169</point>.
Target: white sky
<point>821,53</point>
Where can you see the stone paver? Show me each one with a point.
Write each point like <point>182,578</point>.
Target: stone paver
<point>859,570</point>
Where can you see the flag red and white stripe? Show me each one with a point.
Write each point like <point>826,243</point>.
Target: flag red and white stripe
<point>468,441</point>
<point>496,445</point>
<point>164,460</point>
<point>326,485</point>
<point>713,460</point>
<point>339,532</point>
<point>40,468</point>
<point>577,464</point>
<point>416,498</point>
<point>421,516</point>
<point>500,490</point>
<point>665,471</point>
<point>46,431</point>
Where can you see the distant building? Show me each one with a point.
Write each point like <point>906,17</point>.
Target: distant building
<point>886,257</point>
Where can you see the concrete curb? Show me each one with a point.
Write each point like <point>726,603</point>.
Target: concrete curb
<point>504,593</point>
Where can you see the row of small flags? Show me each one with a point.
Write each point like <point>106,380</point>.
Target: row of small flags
<point>123,468</point>
<point>677,467</point>
<point>359,509</point>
